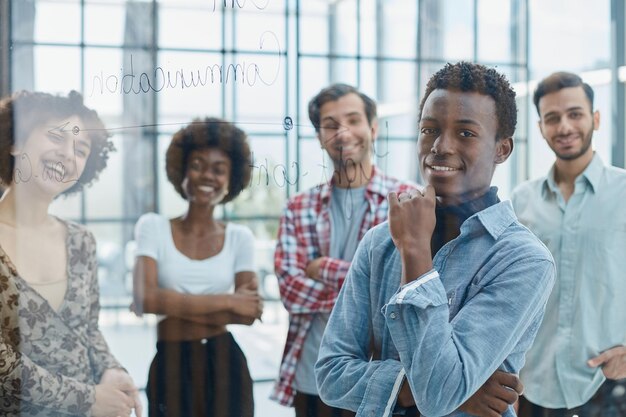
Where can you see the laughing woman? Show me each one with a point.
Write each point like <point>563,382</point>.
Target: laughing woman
<point>53,358</point>
<point>186,270</point>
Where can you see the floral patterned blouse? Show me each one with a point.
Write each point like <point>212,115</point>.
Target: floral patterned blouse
<point>51,360</point>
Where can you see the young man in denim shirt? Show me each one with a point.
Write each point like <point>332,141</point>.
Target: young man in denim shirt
<point>452,287</point>
<point>319,233</point>
<point>577,210</point>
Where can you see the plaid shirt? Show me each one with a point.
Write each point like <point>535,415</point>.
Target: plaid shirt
<point>304,235</point>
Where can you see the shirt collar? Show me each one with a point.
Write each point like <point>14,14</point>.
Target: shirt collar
<point>375,185</point>
<point>465,210</point>
<point>593,172</point>
<point>495,219</point>
<point>592,175</point>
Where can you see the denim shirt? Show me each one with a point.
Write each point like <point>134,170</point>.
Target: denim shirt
<point>448,331</point>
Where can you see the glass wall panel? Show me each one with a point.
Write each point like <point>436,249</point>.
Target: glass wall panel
<point>57,69</point>
<point>494,30</point>
<point>206,23</point>
<point>255,63</point>
<point>57,21</point>
<point>314,27</point>
<point>104,23</point>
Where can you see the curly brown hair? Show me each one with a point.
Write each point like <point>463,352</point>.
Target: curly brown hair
<point>25,111</point>
<point>470,77</point>
<point>210,132</point>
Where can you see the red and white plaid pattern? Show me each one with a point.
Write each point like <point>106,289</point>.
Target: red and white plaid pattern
<point>304,235</point>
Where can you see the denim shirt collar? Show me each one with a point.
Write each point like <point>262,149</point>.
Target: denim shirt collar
<point>466,210</point>
<point>494,219</point>
<point>450,218</point>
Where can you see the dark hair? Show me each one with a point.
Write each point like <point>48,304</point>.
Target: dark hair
<point>333,93</point>
<point>24,111</point>
<point>210,132</point>
<point>470,77</point>
<point>558,81</point>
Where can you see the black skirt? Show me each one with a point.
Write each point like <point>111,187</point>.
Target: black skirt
<point>200,378</point>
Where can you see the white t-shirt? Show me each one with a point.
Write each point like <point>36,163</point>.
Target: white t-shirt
<point>214,275</point>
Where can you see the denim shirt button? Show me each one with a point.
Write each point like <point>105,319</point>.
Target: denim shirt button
<point>393,315</point>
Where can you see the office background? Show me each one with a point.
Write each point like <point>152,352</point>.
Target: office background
<point>149,67</point>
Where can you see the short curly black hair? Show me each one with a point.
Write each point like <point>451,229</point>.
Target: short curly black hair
<point>210,132</point>
<point>25,111</point>
<point>470,77</point>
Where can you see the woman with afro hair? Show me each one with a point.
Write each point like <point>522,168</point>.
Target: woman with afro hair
<point>197,273</point>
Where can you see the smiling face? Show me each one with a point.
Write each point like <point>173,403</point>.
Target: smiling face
<point>345,132</point>
<point>567,123</point>
<point>207,177</point>
<point>51,160</point>
<point>458,150</point>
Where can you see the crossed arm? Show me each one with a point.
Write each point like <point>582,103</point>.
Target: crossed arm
<point>308,283</point>
<point>242,307</point>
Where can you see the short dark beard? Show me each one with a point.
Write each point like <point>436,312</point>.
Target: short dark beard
<point>583,150</point>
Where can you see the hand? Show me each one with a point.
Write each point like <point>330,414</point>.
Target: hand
<point>405,396</point>
<point>612,361</point>
<point>411,225</point>
<point>117,377</point>
<point>494,397</point>
<point>112,399</point>
<point>133,309</point>
<point>111,402</point>
<point>246,303</point>
<point>313,269</point>
<point>251,285</point>
<point>412,216</point>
